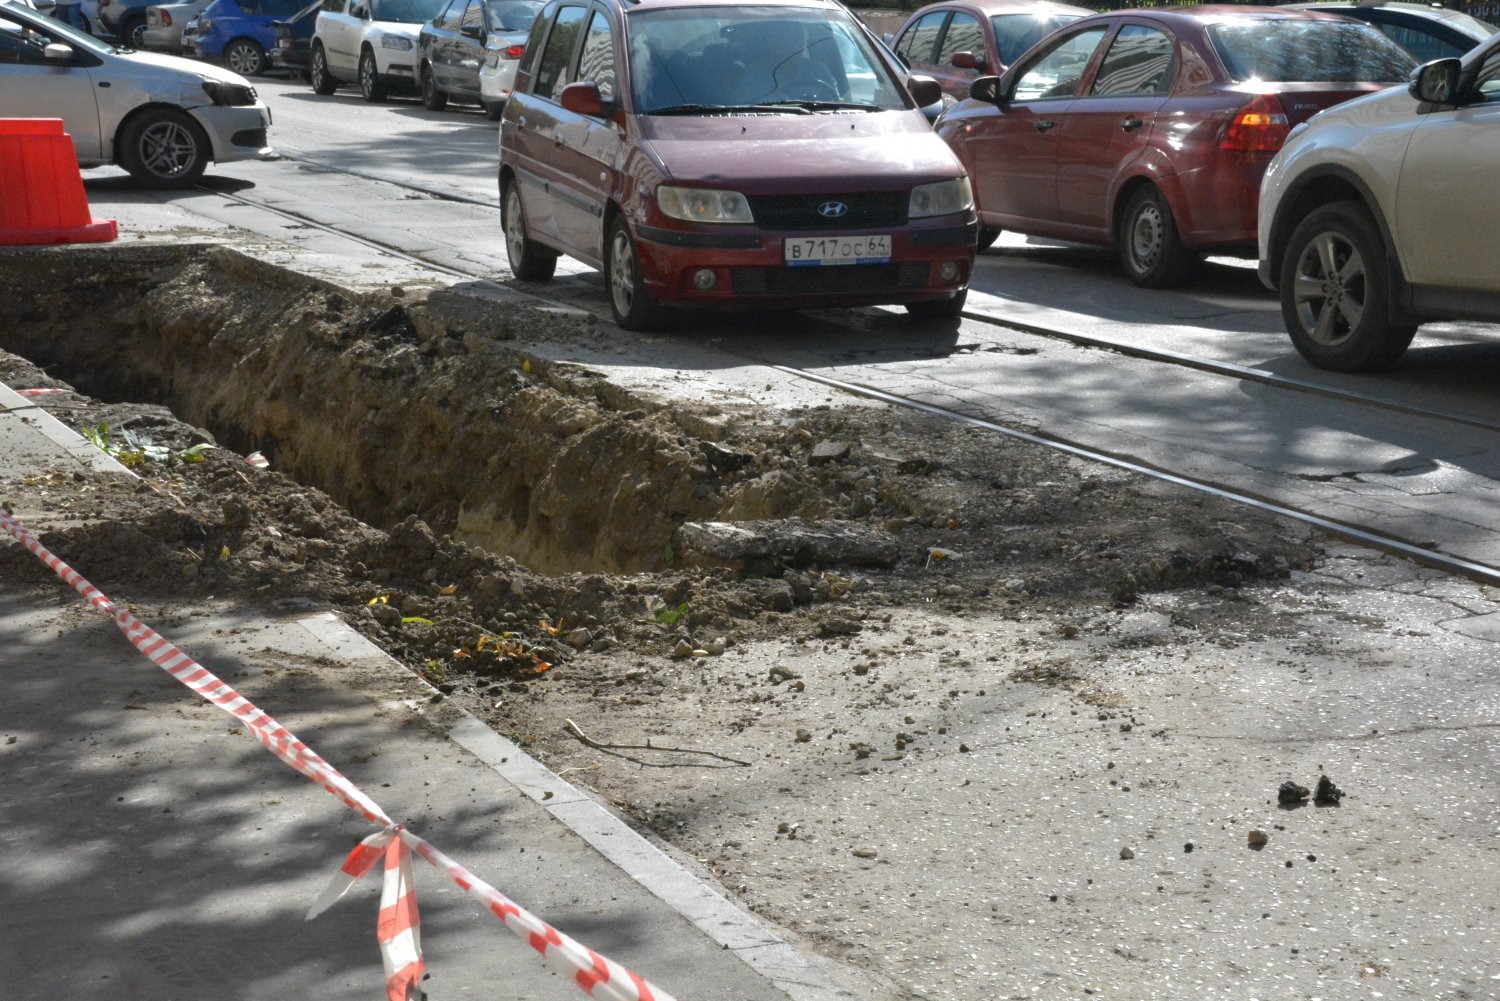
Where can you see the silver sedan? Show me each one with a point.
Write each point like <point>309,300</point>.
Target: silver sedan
<point>160,117</point>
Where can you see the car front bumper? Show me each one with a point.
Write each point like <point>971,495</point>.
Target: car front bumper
<point>749,267</point>
<point>236,133</point>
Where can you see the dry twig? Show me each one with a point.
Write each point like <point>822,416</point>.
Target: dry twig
<point>648,746</point>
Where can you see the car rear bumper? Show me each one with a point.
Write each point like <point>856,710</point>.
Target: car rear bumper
<point>749,268</point>
<point>164,40</point>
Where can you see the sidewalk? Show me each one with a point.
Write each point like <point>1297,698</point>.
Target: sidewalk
<point>149,850</point>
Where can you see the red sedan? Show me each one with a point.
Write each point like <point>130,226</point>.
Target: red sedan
<point>956,43</point>
<point>1149,130</point>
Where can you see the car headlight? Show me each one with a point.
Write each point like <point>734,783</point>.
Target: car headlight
<point>205,25</point>
<point>703,204</point>
<point>941,198</point>
<point>229,95</point>
<point>395,42</point>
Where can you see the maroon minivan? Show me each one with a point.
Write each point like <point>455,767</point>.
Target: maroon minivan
<point>1150,129</point>
<point>730,153</point>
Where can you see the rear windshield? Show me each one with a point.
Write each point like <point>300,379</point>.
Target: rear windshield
<point>1291,50</point>
<point>405,11</point>
<point>1015,33</point>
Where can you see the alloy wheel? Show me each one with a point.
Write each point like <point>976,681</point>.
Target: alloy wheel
<point>622,276</point>
<point>1329,289</point>
<point>168,149</point>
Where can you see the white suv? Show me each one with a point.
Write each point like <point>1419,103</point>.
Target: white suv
<point>369,42</point>
<point>1381,213</point>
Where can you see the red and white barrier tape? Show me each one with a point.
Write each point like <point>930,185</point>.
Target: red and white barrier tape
<point>398,928</point>
<point>39,392</point>
<point>257,460</point>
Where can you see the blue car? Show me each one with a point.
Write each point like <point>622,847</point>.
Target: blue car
<point>240,33</point>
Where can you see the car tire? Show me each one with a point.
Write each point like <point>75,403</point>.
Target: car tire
<point>317,73</point>
<point>434,98</point>
<point>493,110</point>
<point>1335,292</point>
<point>987,237</point>
<point>132,32</point>
<point>1151,249</point>
<point>371,87</point>
<point>245,57</point>
<point>163,149</point>
<point>633,307</point>
<point>528,260</point>
<point>939,309</point>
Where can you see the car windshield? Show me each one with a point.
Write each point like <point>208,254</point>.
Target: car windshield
<point>26,42</point>
<point>405,11</point>
<point>1015,33</point>
<point>707,60</point>
<point>514,15</point>
<point>1292,50</point>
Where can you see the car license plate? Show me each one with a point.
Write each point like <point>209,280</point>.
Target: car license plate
<point>822,251</point>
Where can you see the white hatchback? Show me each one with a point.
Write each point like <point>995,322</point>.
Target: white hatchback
<point>369,42</point>
<point>1380,214</point>
<point>160,117</point>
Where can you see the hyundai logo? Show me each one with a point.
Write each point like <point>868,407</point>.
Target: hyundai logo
<point>833,210</point>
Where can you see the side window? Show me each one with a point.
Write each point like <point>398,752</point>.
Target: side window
<point>473,16</point>
<point>1139,61</point>
<point>598,60</point>
<point>1060,69</point>
<point>552,71</point>
<point>335,6</point>
<point>1420,44</point>
<point>964,35</point>
<point>1487,82</point>
<point>919,44</point>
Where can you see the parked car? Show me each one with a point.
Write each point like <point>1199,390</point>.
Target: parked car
<point>1426,31</point>
<point>369,42</point>
<point>164,118</point>
<point>165,23</point>
<point>956,43</point>
<point>1149,129</point>
<point>704,153</point>
<point>455,46</point>
<point>293,49</point>
<point>124,20</point>
<point>1379,215</point>
<point>240,33</point>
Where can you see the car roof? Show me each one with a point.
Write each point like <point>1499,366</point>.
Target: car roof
<point>640,5</point>
<point>1431,12</point>
<point>992,7</point>
<point>1212,14</point>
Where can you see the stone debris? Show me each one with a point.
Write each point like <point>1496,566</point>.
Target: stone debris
<point>786,541</point>
<point>1291,794</point>
<point>1327,794</point>
<point>1258,839</point>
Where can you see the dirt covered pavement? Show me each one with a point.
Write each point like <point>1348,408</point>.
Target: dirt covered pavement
<point>975,716</point>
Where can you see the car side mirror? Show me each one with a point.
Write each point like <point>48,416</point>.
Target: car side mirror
<point>473,31</point>
<point>57,52</point>
<point>924,90</point>
<point>987,89</point>
<point>968,61</point>
<point>1435,82</point>
<point>583,98</point>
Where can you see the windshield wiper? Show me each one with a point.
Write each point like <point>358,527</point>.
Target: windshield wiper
<point>781,108</point>
<point>828,105</point>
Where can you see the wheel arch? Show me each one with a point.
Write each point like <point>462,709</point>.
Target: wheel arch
<point>135,113</point>
<point>1325,186</point>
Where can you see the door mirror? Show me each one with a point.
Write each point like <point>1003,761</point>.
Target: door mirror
<point>473,31</point>
<point>57,52</point>
<point>1435,82</point>
<point>924,90</point>
<point>987,89</point>
<point>582,98</point>
<point>968,61</point>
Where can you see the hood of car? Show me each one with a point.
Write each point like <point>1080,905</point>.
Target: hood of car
<point>158,61</point>
<point>764,154</point>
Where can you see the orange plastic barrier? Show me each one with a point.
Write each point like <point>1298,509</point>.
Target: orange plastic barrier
<point>41,191</point>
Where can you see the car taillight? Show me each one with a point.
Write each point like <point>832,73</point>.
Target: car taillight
<point>515,51</point>
<point>1260,127</point>
<point>166,19</point>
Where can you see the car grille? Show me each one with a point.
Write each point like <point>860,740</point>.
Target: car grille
<point>865,211</point>
<point>840,278</point>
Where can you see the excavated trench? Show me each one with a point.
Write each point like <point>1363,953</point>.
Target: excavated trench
<point>393,403</point>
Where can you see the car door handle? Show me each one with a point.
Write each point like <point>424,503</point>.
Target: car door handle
<point>521,121</point>
<point>1045,124</point>
<point>1130,124</point>
<point>557,138</point>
